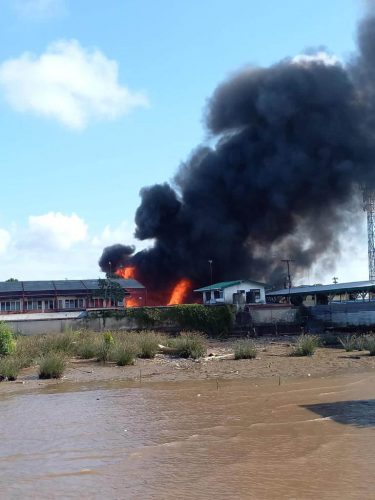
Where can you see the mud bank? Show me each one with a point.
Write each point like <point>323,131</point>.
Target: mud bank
<point>273,360</point>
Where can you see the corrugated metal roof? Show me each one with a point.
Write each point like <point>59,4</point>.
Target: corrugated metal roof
<point>18,287</point>
<point>225,284</point>
<point>334,287</point>
<point>11,286</point>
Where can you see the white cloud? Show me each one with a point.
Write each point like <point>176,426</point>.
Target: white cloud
<point>39,9</point>
<point>56,230</point>
<point>68,83</point>
<point>4,240</point>
<point>122,233</point>
<point>58,246</point>
<point>321,56</point>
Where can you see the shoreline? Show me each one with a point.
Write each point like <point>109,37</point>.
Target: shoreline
<point>272,360</point>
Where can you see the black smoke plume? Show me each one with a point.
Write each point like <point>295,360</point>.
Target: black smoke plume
<point>114,257</point>
<point>294,145</point>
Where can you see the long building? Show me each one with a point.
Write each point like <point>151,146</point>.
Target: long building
<point>324,294</point>
<point>64,295</point>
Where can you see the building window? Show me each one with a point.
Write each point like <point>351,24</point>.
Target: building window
<point>11,305</point>
<point>48,304</point>
<point>33,305</point>
<point>218,294</point>
<point>74,303</point>
<point>208,296</point>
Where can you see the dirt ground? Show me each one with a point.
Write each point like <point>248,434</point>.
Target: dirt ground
<point>273,360</point>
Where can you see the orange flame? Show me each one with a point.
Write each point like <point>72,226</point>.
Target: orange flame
<point>179,292</point>
<point>126,272</point>
<point>131,302</point>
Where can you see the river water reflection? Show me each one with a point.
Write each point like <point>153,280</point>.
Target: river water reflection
<point>304,439</point>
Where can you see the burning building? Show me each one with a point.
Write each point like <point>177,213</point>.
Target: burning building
<point>292,144</point>
<point>63,295</point>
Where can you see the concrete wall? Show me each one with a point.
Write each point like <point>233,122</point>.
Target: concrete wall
<point>273,313</point>
<point>348,314</point>
<point>35,327</point>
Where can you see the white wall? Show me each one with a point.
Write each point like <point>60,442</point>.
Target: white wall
<point>229,291</point>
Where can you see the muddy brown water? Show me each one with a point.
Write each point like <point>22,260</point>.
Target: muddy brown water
<point>303,439</point>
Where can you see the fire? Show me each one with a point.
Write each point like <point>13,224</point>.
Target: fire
<point>179,292</point>
<point>126,272</point>
<point>131,302</point>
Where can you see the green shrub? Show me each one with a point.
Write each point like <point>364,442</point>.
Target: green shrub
<point>52,365</point>
<point>212,320</point>
<point>105,347</point>
<point>189,345</point>
<point>305,345</point>
<point>9,368</point>
<point>123,355</point>
<point>7,342</point>
<point>245,349</point>
<point>146,317</point>
<point>147,344</point>
<point>349,342</point>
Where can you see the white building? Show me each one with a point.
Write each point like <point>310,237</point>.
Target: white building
<point>234,292</point>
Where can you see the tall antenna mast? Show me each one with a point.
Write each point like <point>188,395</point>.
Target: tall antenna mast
<point>369,208</point>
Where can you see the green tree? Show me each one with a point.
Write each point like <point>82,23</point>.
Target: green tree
<point>11,280</point>
<point>110,290</point>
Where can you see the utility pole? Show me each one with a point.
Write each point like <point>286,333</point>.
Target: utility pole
<point>110,283</point>
<point>335,280</point>
<point>288,261</point>
<point>210,261</point>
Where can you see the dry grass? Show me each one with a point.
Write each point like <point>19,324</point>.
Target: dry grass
<point>189,345</point>
<point>245,349</point>
<point>52,365</point>
<point>305,345</point>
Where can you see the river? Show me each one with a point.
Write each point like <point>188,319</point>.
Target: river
<point>272,439</point>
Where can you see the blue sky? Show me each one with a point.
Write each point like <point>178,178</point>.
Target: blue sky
<point>98,99</point>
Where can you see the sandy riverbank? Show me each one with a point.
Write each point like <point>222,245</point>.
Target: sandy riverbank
<point>272,360</point>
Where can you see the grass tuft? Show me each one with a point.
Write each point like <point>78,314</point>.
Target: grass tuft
<point>349,342</point>
<point>305,345</point>
<point>60,342</point>
<point>123,355</point>
<point>52,365</point>
<point>147,344</point>
<point>9,368</point>
<point>189,345</point>
<point>245,349</point>
<point>370,345</point>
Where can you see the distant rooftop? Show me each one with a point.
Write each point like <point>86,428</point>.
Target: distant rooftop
<point>225,284</point>
<point>61,285</point>
<point>353,286</point>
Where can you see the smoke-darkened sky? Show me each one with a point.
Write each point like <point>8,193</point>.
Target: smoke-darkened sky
<point>293,143</point>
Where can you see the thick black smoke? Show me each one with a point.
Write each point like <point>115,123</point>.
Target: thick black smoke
<point>295,142</point>
<point>114,257</point>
